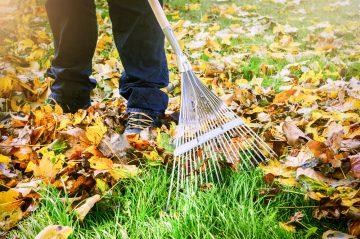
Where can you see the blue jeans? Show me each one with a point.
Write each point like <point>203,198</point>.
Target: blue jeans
<point>138,38</point>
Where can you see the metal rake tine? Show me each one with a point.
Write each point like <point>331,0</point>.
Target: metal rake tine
<point>234,152</point>
<point>255,151</point>
<point>231,148</point>
<point>217,158</point>
<point>265,145</point>
<point>171,185</point>
<point>262,156</point>
<point>197,160</point>
<point>213,159</point>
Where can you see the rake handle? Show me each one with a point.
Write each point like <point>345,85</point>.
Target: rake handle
<point>159,13</point>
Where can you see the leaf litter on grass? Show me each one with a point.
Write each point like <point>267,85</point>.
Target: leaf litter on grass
<point>295,82</point>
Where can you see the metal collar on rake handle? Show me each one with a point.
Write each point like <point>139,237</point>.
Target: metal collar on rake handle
<point>209,134</point>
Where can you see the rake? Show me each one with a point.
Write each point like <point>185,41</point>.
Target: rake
<point>208,134</point>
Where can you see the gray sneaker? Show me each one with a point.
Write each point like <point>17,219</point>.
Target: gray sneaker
<point>139,121</point>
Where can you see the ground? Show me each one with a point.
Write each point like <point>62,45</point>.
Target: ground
<point>289,68</point>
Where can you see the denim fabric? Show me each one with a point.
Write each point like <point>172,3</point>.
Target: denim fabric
<point>138,38</point>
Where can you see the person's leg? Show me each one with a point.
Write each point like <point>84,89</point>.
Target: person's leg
<point>74,27</point>
<point>140,42</point>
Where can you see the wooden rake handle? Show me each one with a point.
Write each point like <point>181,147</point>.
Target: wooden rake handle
<point>159,13</point>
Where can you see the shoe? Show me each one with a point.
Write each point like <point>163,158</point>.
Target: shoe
<point>139,121</point>
<point>71,107</point>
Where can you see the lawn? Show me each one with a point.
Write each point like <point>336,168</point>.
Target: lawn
<point>135,209</point>
<point>271,47</point>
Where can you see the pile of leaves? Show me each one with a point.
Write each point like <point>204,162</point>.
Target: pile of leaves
<point>298,87</point>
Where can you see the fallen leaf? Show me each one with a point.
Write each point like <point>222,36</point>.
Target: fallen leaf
<point>330,234</point>
<point>10,211</point>
<point>85,208</point>
<point>283,97</point>
<point>120,171</point>
<point>4,159</point>
<point>355,165</point>
<point>293,134</point>
<point>354,228</point>
<point>303,156</point>
<point>55,232</point>
<point>100,163</point>
<point>288,228</point>
<point>96,133</point>
<point>311,173</point>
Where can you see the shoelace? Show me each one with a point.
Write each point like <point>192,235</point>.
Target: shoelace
<point>144,123</point>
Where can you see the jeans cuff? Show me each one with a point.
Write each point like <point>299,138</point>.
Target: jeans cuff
<point>149,112</point>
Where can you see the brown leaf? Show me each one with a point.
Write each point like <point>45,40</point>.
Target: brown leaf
<point>296,218</point>
<point>55,232</point>
<point>84,209</point>
<point>304,155</point>
<point>354,228</point>
<point>330,234</point>
<point>268,178</point>
<point>334,141</point>
<point>293,134</point>
<point>77,141</point>
<point>114,144</point>
<point>350,144</point>
<point>355,165</point>
<point>319,150</point>
<point>283,97</point>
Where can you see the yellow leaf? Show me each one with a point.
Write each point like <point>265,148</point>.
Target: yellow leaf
<point>49,165</point>
<point>101,185</point>
<point>4,159</point>
<point>205,18</point>
<point>288,182</point>
<point>100,163</point>
<point>315,195</point>
<point>306,100</point>
<point>124,171</point>
<point>194,6</point>
<point>278,169</point>
<point>249,8</point>
<point>254,48</point>
<point>226,41</point>
<point>311,78</point>
<point>55,232</point>
<point>5,86</point>
<point>96,133</point>
<point>79,117</point>
<point>10,219</point>
<point>214,28</point>
<point>30,167</point>
<point>9,200</point>
<point>10,211</point>
<point>27,43</point>
<point>153,155</point>
<point>286,227</point>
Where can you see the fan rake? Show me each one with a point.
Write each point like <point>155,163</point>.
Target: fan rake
<point>208,133</point>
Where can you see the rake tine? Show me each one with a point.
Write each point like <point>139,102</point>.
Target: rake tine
<point>217,158</point>
<point>246,141</point>
<point>265,146</point>
<point>213,161</point>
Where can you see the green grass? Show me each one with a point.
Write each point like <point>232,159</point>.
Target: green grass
<point>136,208</point>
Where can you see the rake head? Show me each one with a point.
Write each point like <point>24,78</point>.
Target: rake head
<point>209,135</point>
